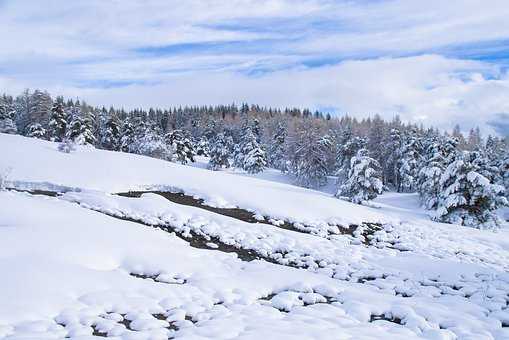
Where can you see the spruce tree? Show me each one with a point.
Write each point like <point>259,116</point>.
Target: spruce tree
<point>7,124</point>
<point>203,147</point>
<point>57,123</point>
<point>277,149</point>
<point>219,153</point>
<point>364,179</point>
<point>126,136</point>
<point>183,149</point>
<point>467,197</point>
<point>408,165</point>
<point>346,151</point>
<point>255,160</point>
<point>309,165</point>
<point>36,130</point>
<point>111,136</point>
<point>439,154</point>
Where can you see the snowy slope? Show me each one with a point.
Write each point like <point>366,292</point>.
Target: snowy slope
<point>89,263</point>
<point>88,168</point>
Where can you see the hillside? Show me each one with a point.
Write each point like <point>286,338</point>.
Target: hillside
<point>98,244</point>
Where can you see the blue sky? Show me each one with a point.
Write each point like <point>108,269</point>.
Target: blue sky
<point>435,62</point>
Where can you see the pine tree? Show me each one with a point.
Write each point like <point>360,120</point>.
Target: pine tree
<point>364,179</point>
<point>256,160</point>
<point>36,130</point>
<point>7,124</point>
<point>219,153</point>
<point>111,136</point>
<point>467,197</point>
<point>309,165</point>
<point>41,108</point>
<point>57,123</point>
<point>183,149</point>
<point>408,165</point>
<point>277,149</point>
<point>151,143</point>
<point>392,158</point>
<point>203,147</point>
<point>80,131</point>
<point>438,156</point>
<point>346,151</point>
<point>126,136</point>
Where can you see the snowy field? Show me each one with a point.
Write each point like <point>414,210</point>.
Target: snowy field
<point>88,263</point>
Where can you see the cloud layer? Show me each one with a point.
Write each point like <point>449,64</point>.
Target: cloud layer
<point>436,62</point>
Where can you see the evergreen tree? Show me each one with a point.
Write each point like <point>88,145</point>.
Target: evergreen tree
<point>408,165</point>
<point>364,179</point>
<point>345,153</point>
<point>41,108</point>
<point>151,143</point>
<point>309,165</point>
<point>7,124</point>
<point>203,147</point>
<point>255,160</point>
<point>438,156</point>
<point>111,136</point>
<point>183,149</point>
<point>126,136</point>
<point>277,149</point>
<point>36,130</point>
<point>219,153</point>
<point>57,123</point>
<point>467,197</point>
<point>80,131</point>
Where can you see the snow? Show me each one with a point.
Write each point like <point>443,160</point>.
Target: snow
<point>91,262</point>
<point>106,171</point>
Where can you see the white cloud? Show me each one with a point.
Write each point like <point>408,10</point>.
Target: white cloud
<point>430,89</point>
<point>69,47</point>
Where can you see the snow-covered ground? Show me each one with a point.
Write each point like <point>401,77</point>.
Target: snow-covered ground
<point>91,263</point>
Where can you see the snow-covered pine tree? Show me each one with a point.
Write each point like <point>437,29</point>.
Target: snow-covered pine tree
<point>241,149</point>
<point>74,130</point>
<point>151,143</point>
<point>7,124</point>
<point>467,197</point>
<point>257,130</point>
<point>256,160</point>
<point>219,153</point>
<point>309,164</point>
<point>41,104</point>
<point>111,135</point>
<point>277,149</point>
<point>126,136</point>
<point>408,165</point>
<point>252,155</point>
<point>392,158</point>
<point>345,153</point>
<point>35,130</point>
<point>439,154</point>
<point>57,122</point>
<point>80,131</point>
<point>364,180</point>
<point>203,147</point>
<point>183,149</point>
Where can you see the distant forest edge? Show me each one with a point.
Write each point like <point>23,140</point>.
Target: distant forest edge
<point>459,179</point>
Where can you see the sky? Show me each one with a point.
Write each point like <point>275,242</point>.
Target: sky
<point>432,62</point>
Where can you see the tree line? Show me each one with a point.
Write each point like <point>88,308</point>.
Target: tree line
<point>459,179</point>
